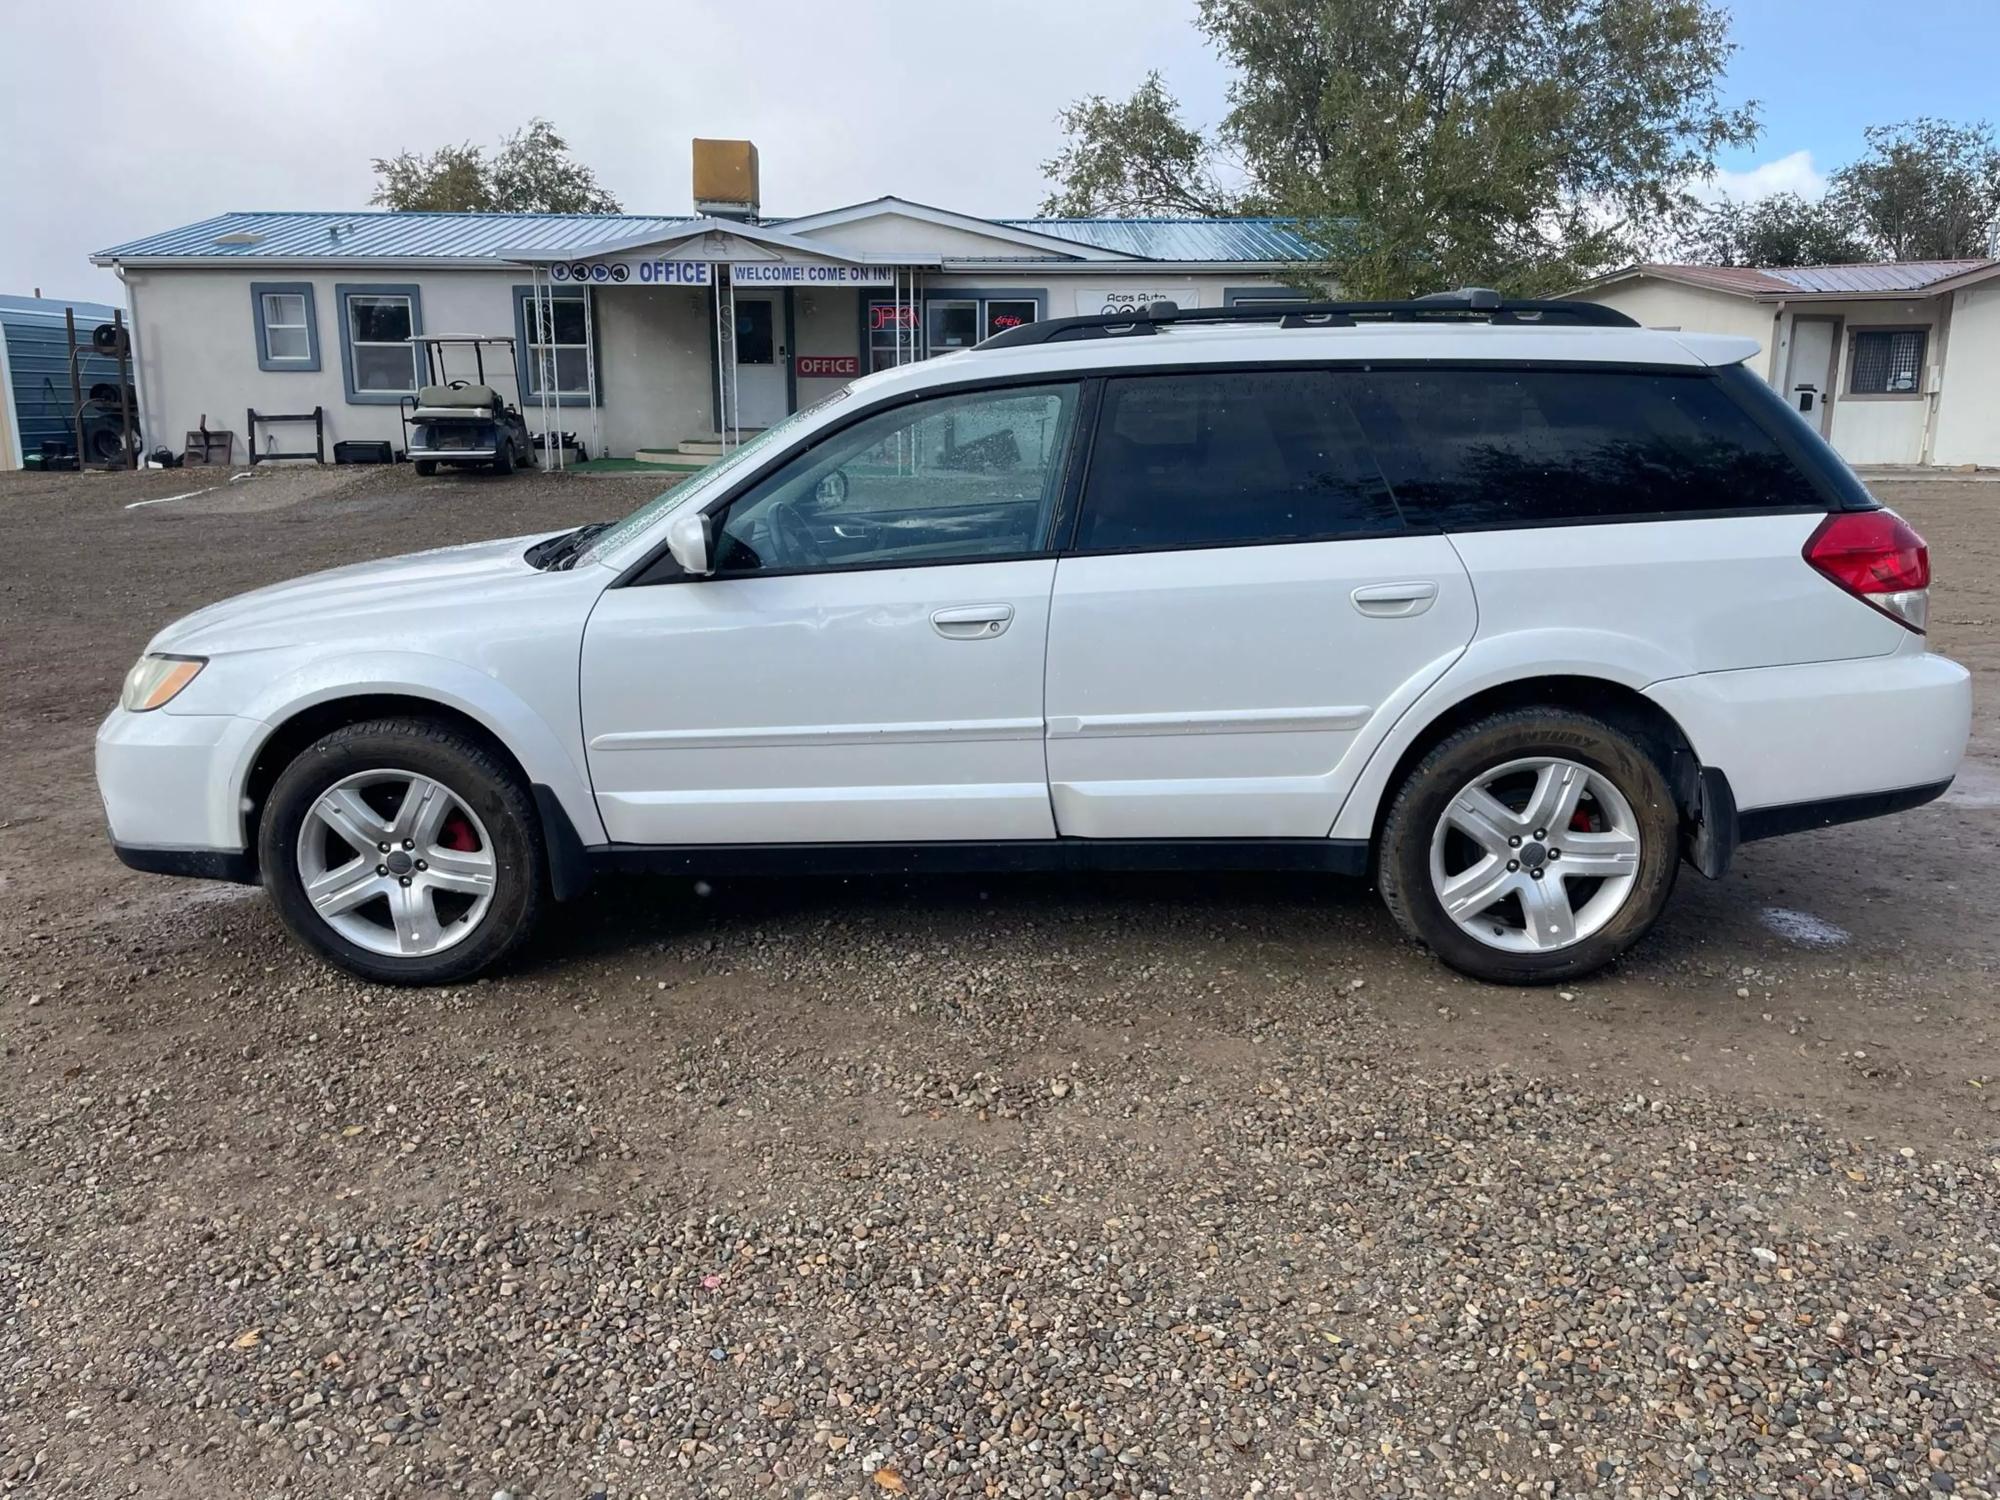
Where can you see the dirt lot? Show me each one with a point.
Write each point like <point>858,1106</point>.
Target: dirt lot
<point>996,1187</point>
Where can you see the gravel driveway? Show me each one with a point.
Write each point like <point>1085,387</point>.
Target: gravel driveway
<point>995,1187</point>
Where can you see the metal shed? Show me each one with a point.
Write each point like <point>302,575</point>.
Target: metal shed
<point>34,372</point>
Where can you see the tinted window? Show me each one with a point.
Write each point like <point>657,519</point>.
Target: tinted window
<point>958,477</point>
<point>1517,447</point>
<point>1233,456</point>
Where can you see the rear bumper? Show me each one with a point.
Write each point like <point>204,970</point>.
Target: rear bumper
<point>1851,738</point>
<point>454,455</point>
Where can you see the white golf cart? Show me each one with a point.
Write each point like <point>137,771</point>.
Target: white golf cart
<point>464,422</point>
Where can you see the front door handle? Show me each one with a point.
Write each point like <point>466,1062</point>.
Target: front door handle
<point>1395,601</point>
<point>972,622</point>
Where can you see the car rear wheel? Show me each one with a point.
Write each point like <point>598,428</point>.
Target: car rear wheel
<point>404,851</point>
<point>1530,847</point>
<point>426,467</point>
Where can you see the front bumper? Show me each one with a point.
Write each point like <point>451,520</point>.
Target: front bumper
<point>171,785</point>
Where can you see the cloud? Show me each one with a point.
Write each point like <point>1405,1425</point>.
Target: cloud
<point>1788,174</point>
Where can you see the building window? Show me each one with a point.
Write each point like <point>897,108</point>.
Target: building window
<point>1887,362</point>
<point>892,334</point>
<point>952,324</point>
<point>557,344</point>
<point>1003,314</point>
<point>377,359</point>
<point>287,332</point>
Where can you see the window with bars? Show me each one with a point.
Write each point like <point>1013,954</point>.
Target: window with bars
<point>1887,362</point>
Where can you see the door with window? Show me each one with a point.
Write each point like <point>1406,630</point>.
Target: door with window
<point>1242,603</point>
<point>866,661</point>
<point>758,391</point>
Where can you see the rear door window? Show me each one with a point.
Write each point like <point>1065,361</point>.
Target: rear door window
<point>1227,458</point>
<point>1510,447</point>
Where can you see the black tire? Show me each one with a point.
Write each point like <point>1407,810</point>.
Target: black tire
<point>426,467</point>
<point>1403,858</point>
<point>478,776</point>
<point>503,461</point>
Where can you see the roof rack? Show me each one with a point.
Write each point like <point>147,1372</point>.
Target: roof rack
<point>1474,304</point>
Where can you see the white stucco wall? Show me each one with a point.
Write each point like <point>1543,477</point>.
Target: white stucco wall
<point>1967,424</point>
<point>197,344</point>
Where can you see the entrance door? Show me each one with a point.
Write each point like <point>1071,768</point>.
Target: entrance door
<point>1809,370</point>
<point>865,662</point>
<point>1241,607</point>
<point>759,389</point>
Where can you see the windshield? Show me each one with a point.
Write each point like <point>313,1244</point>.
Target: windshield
<point>610,540</point>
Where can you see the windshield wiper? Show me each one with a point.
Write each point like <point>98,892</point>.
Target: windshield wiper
<point>561,551</point>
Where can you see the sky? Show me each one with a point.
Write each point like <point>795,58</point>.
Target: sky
<point>277,104</point>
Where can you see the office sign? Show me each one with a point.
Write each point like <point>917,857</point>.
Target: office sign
<point>647,271</point>
<point>808,273</point>
<point>826,366</point>
<point>1093,302</point>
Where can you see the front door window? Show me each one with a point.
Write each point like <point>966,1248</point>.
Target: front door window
<point>971,476</point>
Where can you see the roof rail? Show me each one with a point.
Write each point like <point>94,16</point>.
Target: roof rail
<point>1466,305</point>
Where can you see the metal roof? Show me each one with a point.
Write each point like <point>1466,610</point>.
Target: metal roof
<point>378,235</point>
<point>1183,239</point>
<point>1878,278</point>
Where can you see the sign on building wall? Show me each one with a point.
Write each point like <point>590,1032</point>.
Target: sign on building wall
<point>808,273</point>
<point>824,366</point>
<point>1093,302</point>
<point>655,271</point>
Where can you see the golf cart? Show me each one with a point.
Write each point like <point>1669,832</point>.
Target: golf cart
<point>463,422</point>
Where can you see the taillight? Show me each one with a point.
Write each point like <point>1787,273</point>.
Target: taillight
<point>1878,557</point>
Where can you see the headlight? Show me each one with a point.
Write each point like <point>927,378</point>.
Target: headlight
<point>156,681</point>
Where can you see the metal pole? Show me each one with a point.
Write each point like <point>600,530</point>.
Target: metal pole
<point>541,382</point>
<point>590,370</point>
<point>76,386</point>
<point>125,389</point>
<point>721,385</point>
<point>735,386</point>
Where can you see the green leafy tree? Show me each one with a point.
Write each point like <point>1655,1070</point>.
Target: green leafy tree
<point>1927,189</point>
<point>1781,230</point>
<point>1522,144</point>
<point>531,172</point>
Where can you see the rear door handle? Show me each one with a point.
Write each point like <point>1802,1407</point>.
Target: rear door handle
<point>1395,601</point>
<point>972,622</point>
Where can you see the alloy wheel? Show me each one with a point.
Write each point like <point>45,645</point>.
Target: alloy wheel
<point>1535,855</point>
<point>396,863</point>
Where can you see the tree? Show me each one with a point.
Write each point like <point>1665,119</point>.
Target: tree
<point>1781,230</point>
<point>1927,189</point>
<point>1522,144</point>
<point>531,172</point>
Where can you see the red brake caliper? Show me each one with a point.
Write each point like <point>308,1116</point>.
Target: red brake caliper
<point>457,834</point>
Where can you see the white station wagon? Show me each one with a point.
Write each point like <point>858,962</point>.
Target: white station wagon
<point>1511,606</point>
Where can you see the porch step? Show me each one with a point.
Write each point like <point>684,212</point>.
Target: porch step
<point>713,447</point>
<point>673,458</point>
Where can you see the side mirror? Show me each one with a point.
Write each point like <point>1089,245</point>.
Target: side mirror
<point>688,540</point>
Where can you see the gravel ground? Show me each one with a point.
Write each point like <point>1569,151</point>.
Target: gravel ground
<point>1166,1186</point>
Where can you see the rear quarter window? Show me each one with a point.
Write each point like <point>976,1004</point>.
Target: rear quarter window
<point>1473,448</point>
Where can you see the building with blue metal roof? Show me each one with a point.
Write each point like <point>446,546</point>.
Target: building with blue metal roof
<point>635,331</point>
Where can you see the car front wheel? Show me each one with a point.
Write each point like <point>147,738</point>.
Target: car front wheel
<point>1530,847</point>
<point>404,851</point>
